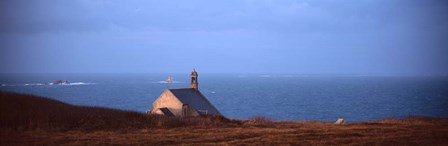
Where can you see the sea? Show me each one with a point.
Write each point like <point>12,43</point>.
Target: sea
<point>244,96</point>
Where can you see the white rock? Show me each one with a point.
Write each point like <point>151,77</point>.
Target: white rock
<point>340,121</point>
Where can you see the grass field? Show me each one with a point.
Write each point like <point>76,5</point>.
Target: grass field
<point>31,120</point>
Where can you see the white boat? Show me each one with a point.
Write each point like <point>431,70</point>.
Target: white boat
<point>170,79</point>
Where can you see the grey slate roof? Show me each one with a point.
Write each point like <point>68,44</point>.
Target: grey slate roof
<point>195,99</point>
<point>166,112</point>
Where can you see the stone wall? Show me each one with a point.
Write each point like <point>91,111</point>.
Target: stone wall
<point>167,99</point>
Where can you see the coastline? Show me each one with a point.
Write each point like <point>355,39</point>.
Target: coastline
<point>33,120</point>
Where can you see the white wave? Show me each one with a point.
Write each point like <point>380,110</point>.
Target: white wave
<point>50,84</point>
<point>165,82</point>
<point>29,84</point>
<point>34,84</point>
<point>265,76</point>
<point>79,83</point>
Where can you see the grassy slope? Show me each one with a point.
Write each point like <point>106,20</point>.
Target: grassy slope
<point>26,119</point>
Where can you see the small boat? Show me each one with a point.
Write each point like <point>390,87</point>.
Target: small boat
<point>170,79</point>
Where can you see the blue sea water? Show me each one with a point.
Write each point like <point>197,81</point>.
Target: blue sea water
<point>280,97</point>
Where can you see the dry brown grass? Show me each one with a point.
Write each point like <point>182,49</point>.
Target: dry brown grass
<point>149,130</point>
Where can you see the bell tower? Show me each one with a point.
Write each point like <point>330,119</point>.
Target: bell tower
<point>194,80</point>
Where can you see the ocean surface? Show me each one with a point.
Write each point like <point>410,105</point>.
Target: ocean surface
<point>243,96</point>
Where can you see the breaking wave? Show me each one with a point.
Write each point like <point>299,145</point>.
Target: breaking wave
<point>265,76</point>
<point>50,84</point>
<point>165,82</point>
<point>81,83</point>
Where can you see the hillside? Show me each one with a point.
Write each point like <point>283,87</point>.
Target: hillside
<point>32,120</point>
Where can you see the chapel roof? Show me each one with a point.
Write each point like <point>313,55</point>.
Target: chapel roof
<point>195,99</point>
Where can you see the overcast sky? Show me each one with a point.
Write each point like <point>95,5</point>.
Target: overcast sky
<point>364,37</point>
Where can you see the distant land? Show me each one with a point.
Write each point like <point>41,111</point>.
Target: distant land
<point>33,120</point>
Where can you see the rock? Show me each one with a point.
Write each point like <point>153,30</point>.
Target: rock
<point>60,82</point>
<point>340,121</point>
<point>57,82</point>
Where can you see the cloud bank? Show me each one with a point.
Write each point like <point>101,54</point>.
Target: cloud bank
<point>241,36</point>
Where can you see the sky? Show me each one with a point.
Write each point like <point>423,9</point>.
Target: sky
<point>360,37</point>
